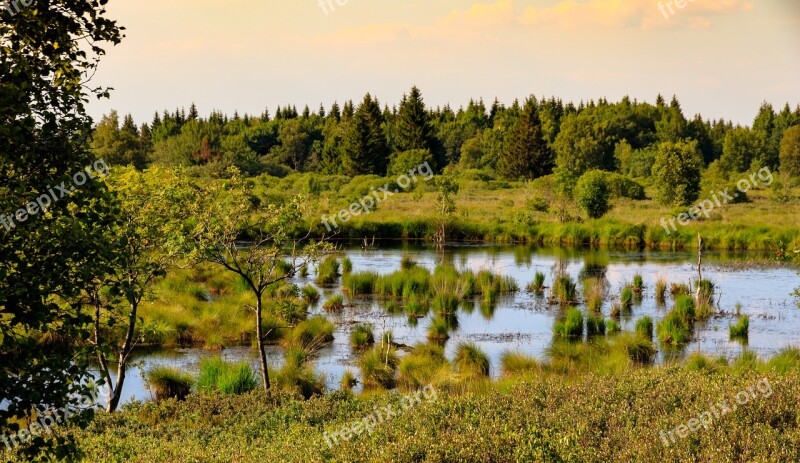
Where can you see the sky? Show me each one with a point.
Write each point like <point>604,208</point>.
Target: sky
<point>721,58</point>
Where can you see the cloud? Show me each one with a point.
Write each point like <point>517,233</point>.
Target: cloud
<point>645,14</point>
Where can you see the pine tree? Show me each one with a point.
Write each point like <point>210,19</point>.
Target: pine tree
<point>526,153</point>
<point>193,112</point>
<point>412,127</point>
<point>364,147</point>
<point>335,113</point>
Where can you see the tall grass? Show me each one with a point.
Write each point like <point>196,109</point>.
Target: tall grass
<point>310,294</point>
<point>438,330</point>
<point>378,367</point>
<point>571,325</point>
<point>537,285</point>
<point>421,366</point>
<point>471,360</point>
<point>563,291</point>
<point>515,363</point>
<point>638,284</point>
<point>168,383</point>
<point>741,330</point>
<point>310,334</point>
<point>328,271</point>
<point>362,337</point>
<point>226,377</point>
<point>334,304</point>
<point>626,298</point>
<point>661,291</point>
<point>594,293</point>
<point>347,265</point>
<point>360,283</point>
<point>644,327</point>
<point>595,325</point>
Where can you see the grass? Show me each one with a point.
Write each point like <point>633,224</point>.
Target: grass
<point>378,366</point>
<point>334,304</point>
<point>347,265</point>
<point>626,298</point>
<point>310,294</point>
<point>594,293</point>
<point>516,363</point>
<point>741,329</point>
<point>644,327</point>
<point>470,360</point>
<point>407,262</point>
<point>438,330</point>
<point>639,349</point>
<point>537,285</point>
<point>571,325</point>
<point>297,377</point>
<point>661,291</point>
<point>638,284</point>
<point>310,334</point>
<point>348,381</point>
<point>328,271</point>
<point>228,378</point>
<point>679,289</point>
<point>595,325</point>
<point>563,291</point>
<point>168,383</point>
<point>421,366</point>
<point>362,337</point>
<point>356,284</point>
<point>676,328</point>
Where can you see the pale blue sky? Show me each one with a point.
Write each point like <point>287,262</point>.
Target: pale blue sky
<point>721,57</point>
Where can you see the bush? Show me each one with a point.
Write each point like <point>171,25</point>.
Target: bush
<point>623,187</point>
<point>226,377</point>
<point>592,193</point>
<point>790,152</point>
<point>168,383</point>
<point>403,162</point>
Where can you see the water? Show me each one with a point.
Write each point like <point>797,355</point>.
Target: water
<point>523,322</point>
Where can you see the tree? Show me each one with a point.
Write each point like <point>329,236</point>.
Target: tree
<point>445,206</point>
<point>676,173</point>
<point>404,162</point>
<point>48,259</point>
<point>741,147</point>
<point>119,146</point>
<point>412,127</point>
<point>224,214</point>
<point>145,242</point>
<point>526,154</point>
<point>593,193</point>
<point>364,147</point>
<point>790,152</point>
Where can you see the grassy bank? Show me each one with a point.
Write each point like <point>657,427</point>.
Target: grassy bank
<point>531,418</point>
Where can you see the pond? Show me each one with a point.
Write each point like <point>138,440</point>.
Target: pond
<point>524,322</point>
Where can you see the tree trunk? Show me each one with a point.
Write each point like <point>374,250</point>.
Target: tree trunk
<point>113,401</point>
<point>260,339</point>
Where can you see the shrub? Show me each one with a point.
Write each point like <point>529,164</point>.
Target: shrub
<point>362,337</point>
<point>168,383</point>
<point>226,377</point>
<point>328,271</point>
<point>623,187</point>
<point>790,152</point>
<point>592,194</point>
<point>470,360</point>
<point>571,325</point>
<point>741,330</point>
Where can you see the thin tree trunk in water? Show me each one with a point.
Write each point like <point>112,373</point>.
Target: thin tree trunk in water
<point>261,350</point>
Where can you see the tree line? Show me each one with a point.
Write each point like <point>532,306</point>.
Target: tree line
<point>526,140</point>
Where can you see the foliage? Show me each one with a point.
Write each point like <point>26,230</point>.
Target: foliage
<point>676,173</point>
<point>593,194</point>
<point>790,152</point>
<point>228,378</point>
<point>571,325</point>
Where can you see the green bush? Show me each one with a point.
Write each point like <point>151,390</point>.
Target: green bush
<point>592,194</point>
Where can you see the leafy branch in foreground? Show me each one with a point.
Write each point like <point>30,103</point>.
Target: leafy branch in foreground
<point>234,231</point>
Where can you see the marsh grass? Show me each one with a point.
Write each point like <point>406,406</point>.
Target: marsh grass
<point>594,293</point>
<point>644,327</point>
<point>362,337</point>
<point>638,349</point>
<point>347,266</point>
<point>226,377</point>
<point>361,283</point>
<point>421,366</point>
<point>626,298</point>
<point>417,308</point>
<point>438,330</point>
<point>661,291</point>
<point>638,284</point>
<point>470,360</point>
<point>334,304</point>
<point>348,381</point>
<point>571,326</point>
<point>595,325</point>
<point>378,366</point>
<point>612,327</point>
<point>537,285</point>
<point>310,334</point>
<point>563,291</point>
<point>407,262</point>
<point>516,363</point>
<point>328,271</point>
<point>310,294</point>
<point>679,289</point>
<point>788,359</point>
<point>676,328</point>
<point>741,330</point>
<point>168,383</point>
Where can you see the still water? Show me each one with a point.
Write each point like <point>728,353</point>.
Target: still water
<point>523,322</point>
